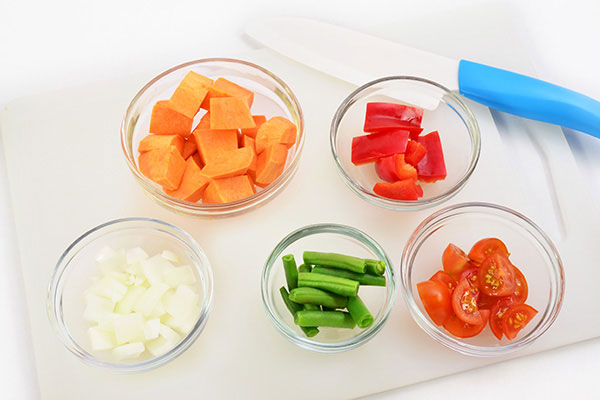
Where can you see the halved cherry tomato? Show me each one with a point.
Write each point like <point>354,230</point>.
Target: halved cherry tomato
<point>521,291</point>
<point>464,303</point>
<point>516,318</point>
<point>486,247</point>
<point>496,314</point>
<point>496,276</point>
<point>436,300</point>
<point>470,275</point>
<point>445,278</point>
<point>454,260</point>
<point>461,329</point>
<point>485,302</point>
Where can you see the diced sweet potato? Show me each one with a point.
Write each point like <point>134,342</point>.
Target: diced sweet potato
<point>193,183</point>
<point>189,147</point>
<point>152,142</point>
<point>213,144</point>
<point>164,166</point>
<point>230,113</point>
<point>229,164</point>
<point>167,121</point>
<point>275,130</point>
<point>228,189</point>
<point>204,122</point>
<point>258,120</point>
<point>270,164</point>
<point>225,88</point>
<point>190,94</point>
<point>197,159</point>
<point>247,141</point>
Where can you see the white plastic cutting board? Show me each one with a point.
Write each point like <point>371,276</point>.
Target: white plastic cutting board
<point>67,175</point>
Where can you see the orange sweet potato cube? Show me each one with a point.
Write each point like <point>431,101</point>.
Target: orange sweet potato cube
<point>225,88</point>
<point>228,189</point>
<point>167,121</point>
<point>164,166</point>
<point>232,163</point>
<point>152,142</point>
<point>197,159</point>
<point>247,141</point>
<point>190,94</point>
<point>189,147</point>
<point>258,120</point>
<point>275,130</point>
<point>270,164</point>
<point>204,122</point>
<point>193,183</point>
<point>213,144</point>
<point>230,113</point>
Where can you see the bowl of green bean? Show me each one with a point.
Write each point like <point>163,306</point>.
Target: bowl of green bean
<point>328,288</point>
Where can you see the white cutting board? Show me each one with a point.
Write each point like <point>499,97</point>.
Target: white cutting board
<point>67,175</point>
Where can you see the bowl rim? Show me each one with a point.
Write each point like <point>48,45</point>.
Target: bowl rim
<point>202,209</point>
<point>405,205</point>
<point>555,268</point>
<point>54,307</point>
<point>348,231</point>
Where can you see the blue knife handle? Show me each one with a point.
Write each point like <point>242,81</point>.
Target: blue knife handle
<point>528,97</point>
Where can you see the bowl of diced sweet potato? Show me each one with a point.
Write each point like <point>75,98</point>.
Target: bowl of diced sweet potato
<point>213,136</point>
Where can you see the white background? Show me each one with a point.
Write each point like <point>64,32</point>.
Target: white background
<point>48,45</point>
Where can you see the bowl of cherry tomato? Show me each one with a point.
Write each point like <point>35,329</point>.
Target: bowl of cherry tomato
<point>404,143</point>
<point>482,279</point>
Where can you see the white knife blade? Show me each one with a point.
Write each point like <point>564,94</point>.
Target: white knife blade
<point>349,55</point>
<point>359,58</point>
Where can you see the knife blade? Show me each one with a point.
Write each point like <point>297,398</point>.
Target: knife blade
<point>359,58</point>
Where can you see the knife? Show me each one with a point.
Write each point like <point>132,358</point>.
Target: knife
<point>356,58</point>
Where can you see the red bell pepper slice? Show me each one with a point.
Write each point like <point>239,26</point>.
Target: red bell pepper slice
<point>405,189</point>
<point>394,168</point>
<point>405,170</point>
<point>369,148</point>
<point>414,152</point>
<point>382,116</point>
<point>386,168</point>
<point>432,167</point>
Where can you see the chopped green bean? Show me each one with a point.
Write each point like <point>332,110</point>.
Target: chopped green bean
<point>359,312</point>
<point>375,267</point>
<point>363,279</point>
<point>334,319</point>
<point>333,284</point>
<point>309,331</point>
<point>335,260</point>
<point>310,295</point>
<point>291,271</point>
<point>311,307</point>
<point>304,268</point>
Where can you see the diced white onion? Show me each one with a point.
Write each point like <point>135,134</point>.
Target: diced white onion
<point>170,256</point>
<point>128,351</point>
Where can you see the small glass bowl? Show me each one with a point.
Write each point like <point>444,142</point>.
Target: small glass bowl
<point>444,111</point>
<point>531,250</point>
<point>76,268</point>
<point>327,238</point>
<point>272,97</point>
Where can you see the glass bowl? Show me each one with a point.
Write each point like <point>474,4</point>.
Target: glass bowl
<point>272,97</point>
<point>444,111</point>
<point>531,250</point>
<point>76,268</point>
<point>327,238</point>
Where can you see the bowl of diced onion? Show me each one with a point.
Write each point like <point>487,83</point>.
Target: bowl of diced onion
<point>131,294</point>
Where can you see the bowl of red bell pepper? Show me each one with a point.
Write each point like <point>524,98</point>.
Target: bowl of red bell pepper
<point>482,279</point>
<point>405,143</point>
